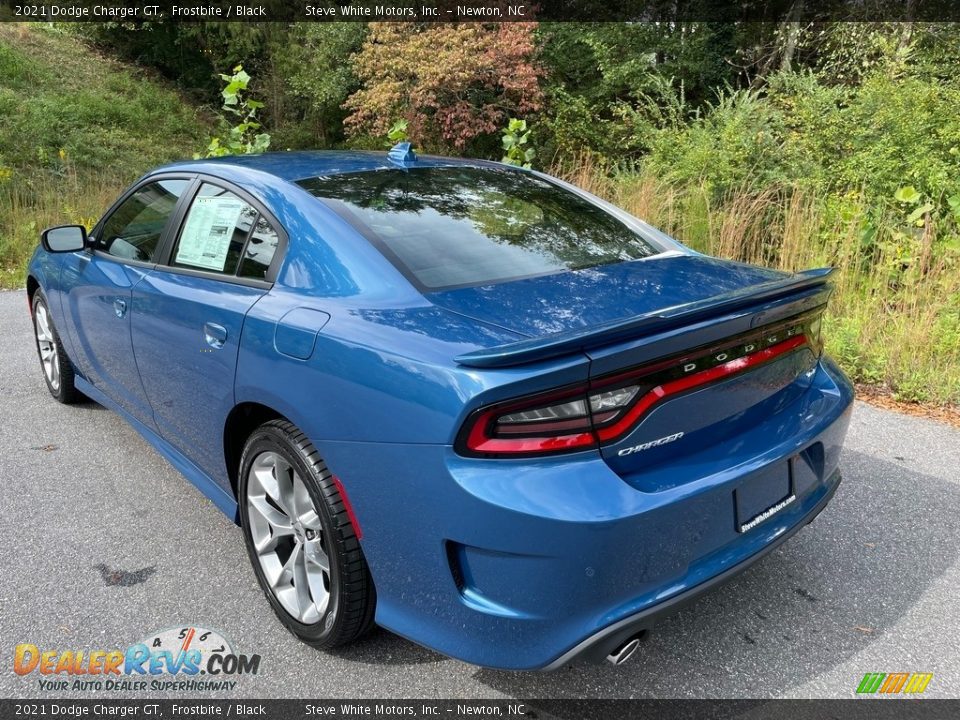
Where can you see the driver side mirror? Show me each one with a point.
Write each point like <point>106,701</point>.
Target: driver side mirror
<point>64,238</point>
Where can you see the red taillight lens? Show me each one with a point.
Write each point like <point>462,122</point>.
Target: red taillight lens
<point>606,409</point>
<point>539,424</point>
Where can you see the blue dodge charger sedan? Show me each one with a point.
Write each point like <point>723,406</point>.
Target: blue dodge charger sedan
<point>464,401</point>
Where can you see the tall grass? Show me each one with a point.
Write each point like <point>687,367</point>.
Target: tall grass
<point>28,208</point>
<point>76,128</point>
<point>894,318</point>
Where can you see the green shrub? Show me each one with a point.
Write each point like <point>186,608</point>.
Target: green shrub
<point>885,134</point>
<point>242,135</point>
<point>738,142</point>
<point>517,148</point>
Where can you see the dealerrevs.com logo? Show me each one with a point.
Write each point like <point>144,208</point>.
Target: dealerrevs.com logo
<point>178,659</point>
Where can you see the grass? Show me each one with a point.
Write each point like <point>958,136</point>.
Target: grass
<point>894,320</point>
<point>76,129</point>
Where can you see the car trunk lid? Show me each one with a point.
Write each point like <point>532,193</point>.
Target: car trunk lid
<point>591,298</point>
<point>712,349</point>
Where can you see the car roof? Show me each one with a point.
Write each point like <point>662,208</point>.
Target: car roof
<point>302,164</point>
<point>271,179</point>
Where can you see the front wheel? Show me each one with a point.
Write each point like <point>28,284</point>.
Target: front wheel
<point>301,542</point>
<point>56,366</point>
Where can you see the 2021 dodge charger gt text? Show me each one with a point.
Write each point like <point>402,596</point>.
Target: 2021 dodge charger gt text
<point>466,401</point>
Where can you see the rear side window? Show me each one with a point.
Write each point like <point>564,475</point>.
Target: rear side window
<point>450,227</point>
<point>133,230</point>
<point>259,251</point>
<point>214,231</point>
<point>222,233</point>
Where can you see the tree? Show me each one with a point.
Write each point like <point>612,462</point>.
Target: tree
<point>610,85</point>
<point>454,84</point>
<point>315,63</point>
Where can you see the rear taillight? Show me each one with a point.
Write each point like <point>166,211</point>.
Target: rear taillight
<point>554,422</point>
<point>605,409</point>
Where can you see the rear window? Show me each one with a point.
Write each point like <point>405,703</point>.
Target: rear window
<point>455,227</point>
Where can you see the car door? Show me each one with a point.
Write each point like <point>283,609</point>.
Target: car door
<point>187,316</point>
<point>97,289</point>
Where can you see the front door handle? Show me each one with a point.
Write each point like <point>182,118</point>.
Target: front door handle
<point>215,335</point>
<point>119,307</point>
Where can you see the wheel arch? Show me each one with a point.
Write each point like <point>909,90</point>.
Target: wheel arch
<point>243,419</point>
<point>32,286</point>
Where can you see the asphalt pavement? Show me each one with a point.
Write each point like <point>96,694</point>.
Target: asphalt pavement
<point>107,543</point>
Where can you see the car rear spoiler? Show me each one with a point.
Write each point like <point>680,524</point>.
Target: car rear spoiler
<point>527,351</point>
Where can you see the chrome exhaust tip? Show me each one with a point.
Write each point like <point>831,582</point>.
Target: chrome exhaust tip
<point>624,652</point>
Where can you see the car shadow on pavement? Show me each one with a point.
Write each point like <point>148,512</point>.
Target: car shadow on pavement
<point>87,404</point>
<point>381,647</point>
<point>822,597</point>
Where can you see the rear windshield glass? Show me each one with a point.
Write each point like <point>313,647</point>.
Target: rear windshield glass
<point>452,227</point>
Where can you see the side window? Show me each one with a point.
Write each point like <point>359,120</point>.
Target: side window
<point>259,251</point>
<point>133,230</point>
<point>214,231</point>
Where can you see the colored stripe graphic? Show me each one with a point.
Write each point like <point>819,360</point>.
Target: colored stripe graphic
<point>918,682</point>
<point>870,682</point>
<point>893,683</point>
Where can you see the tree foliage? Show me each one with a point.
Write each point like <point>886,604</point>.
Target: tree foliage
<point>609,84</point>
<point>314,60</point>
<point>452,83</point>
<point>838,107</point>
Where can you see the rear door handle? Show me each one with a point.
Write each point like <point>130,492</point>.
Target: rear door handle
<point>215,335</point>
<point>119,307</point>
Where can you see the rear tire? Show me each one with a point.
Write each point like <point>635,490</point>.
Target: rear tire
<point>57,368</point>
<point>300,540</point>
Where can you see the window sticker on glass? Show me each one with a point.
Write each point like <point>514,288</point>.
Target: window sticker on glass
<point>205,240</point>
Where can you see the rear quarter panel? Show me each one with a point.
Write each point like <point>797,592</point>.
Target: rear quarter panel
<point>378,374</point>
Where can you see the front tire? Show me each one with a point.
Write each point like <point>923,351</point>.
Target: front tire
<point>300,540</point>
<point>56,366</point>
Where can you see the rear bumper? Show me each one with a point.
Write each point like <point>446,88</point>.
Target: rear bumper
<point>529,564</point>
<point>598,646</point>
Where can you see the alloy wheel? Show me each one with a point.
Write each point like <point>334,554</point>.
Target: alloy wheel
<point>288,537</point>
<point>47,343</point>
